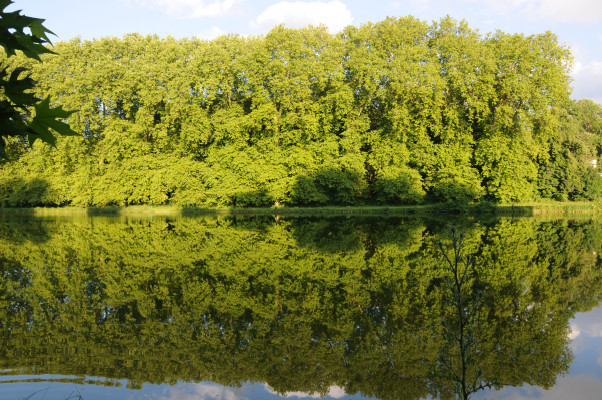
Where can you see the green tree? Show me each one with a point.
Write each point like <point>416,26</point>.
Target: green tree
<point>569,172</point>
<point>394,112</point>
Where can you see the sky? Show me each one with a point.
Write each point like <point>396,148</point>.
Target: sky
<point>578,23</point>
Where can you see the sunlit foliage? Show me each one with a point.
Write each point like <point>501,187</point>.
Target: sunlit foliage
<point>394,112</point>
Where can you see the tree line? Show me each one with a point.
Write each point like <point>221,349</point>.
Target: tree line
<point>394,112</point>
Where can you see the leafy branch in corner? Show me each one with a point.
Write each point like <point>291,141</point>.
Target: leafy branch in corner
<point>22,114</point>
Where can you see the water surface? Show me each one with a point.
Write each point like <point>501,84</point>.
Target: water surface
<point>133,307</point>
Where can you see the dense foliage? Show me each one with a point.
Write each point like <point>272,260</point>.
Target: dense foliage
<point>299,304</point>
<point>396,112</point>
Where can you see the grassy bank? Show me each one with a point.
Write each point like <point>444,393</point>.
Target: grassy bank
<point>517,209</point>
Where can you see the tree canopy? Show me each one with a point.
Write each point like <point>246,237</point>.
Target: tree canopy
<point>394,112</point>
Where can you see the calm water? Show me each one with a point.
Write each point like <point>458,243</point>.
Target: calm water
<point>185,308</point>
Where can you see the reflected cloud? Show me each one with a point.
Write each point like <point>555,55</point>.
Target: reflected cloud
<point>574,333</point>
<point>579,387</point>
<point>335,392</point>
<point>201,391</point>
<point>589,324</point>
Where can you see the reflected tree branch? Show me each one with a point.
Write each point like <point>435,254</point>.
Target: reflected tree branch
<point>461,326</point>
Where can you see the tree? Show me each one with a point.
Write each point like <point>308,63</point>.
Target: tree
<point>18,101</point>
<point>395,112</point>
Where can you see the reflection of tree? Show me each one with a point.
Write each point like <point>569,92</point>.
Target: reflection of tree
<point>230,301</point>
<point>459,361</point>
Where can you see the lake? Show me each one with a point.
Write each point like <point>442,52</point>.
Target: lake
<point>234,307</point>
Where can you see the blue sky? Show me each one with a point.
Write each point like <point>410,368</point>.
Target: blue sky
<point>578,23</point>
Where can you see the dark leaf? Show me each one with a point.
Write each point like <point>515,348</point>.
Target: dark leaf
<point>15,88</point>
<point>40,31</point>
<point>47,118</point>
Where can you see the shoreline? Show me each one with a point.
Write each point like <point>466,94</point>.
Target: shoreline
<point>517,209</point>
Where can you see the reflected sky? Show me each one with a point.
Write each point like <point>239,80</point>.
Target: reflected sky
<point>584,381</point>
<point>49,387</point>
<point>281,308</point>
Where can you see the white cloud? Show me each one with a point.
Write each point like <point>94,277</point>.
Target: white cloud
<point>193,8</point>
<point>588,85</point>
<point>580,52</point>
<point>585,11</point>
<point>210,33</point>
<point>335,15</point>
<point>506,7</point>
<point>582,11</point>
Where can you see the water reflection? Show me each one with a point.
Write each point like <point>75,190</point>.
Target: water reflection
<point>459,361</point>
<point>301,305</point>
<point>459,369</point>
